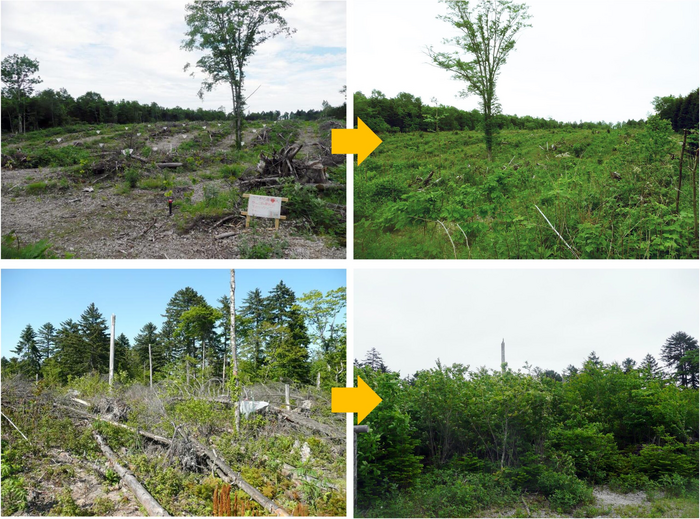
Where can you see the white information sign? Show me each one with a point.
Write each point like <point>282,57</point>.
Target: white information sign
<point>264,206</point>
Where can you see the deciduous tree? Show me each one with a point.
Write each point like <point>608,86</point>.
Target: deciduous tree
<point>229,33</point>
<point>488,30</point>
<point>18,77</point>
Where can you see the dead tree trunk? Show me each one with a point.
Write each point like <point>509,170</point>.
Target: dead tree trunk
<point>111,351</point>
<point>147,500</point>
<point>234,354</point>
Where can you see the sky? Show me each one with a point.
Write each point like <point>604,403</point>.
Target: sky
<point>134,296</point>
<point>590,60</point>
<point>131,50</point>
<point>550,318</point>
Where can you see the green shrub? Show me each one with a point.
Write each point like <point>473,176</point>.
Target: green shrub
<point>13,249</point>
<point>132,177</point>
<point>564,491</point>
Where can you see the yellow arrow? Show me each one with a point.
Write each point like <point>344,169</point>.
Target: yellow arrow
<point>360,400</point>
<point>362,141</point>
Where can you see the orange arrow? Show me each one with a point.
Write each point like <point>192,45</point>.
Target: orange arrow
<point>362,141</point>
<point>360,400</point>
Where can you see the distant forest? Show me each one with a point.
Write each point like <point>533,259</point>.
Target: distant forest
<point>278,336</point>
<point>452,442</point>
<point>57,108</point>
<point>407,113</point>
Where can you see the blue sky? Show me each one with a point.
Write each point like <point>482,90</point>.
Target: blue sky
<point>131,50</point>
<point>135,296</point>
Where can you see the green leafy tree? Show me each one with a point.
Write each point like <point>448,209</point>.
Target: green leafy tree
<point>177,345</point>
<point>229,32</point>
<point>18,78</point>
<point>680,352</point>
<point>198,323</point>
<point>71,350</point>
<point>488,30</point>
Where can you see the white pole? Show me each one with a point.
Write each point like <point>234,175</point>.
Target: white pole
<point>111,351</point>
<point>150,364</point>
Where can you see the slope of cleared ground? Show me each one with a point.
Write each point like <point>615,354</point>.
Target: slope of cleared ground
<point>88,196</point>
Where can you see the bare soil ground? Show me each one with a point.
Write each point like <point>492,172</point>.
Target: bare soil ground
<point>109,222</point>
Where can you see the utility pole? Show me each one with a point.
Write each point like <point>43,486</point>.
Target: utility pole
<point>111,351</point>
<point>503,355</point>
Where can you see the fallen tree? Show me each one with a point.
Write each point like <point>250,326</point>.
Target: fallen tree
<point>231,476</point>
<point>145,498</point>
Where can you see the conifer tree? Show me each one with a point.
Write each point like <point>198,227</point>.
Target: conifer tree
<point>28,352</point>
<point>680,354</point>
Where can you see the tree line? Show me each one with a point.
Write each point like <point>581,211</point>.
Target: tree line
<point>278,336</point>
<point>451,435</point>
<point>407,113</point>
<point>23,109</point>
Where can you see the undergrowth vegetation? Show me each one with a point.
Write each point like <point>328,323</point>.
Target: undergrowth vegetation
<point>557,193</point>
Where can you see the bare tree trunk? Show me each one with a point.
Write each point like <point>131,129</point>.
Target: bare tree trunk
<point>234,354</point>
<point>318,380</point>
<point>147,500</point>
<point>111,351</point>
<point>150,365</point>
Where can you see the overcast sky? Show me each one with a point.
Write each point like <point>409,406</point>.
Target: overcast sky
<point>131,50</point>
<point>588,60</point>
<point>549,318</point>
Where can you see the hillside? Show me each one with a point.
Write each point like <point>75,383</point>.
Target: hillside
<point>548,193</point>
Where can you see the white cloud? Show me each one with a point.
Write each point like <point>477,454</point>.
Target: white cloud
<point>131,50</point>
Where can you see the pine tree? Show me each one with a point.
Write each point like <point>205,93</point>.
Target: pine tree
<point>250,323</point>
<point>46,339</point>
<point>122,348</point>
<point>177,346</point>
<point>149,336</point>
<point>649,367</point>
<point>71,349</point>
<point>680,354</point>
<point>94,331</point>
<point>28,352</point>
<point>374,361</point>
<point>278,303</point>
<point>628,364</point>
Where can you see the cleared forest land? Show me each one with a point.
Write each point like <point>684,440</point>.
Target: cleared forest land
<point>101,191</point>
<point>178,440</point>
<point>556,193</point>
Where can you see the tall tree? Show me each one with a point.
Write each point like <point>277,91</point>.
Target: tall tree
<point>176,345</point>
<point>373,360</point>
<point>148,347</point>
<point>94,331</point>
<point>46,339</point>
<point>680,354</point>
<point>488,35</point>
<point>18,77</point>
<point>198,323</point>
<point>28,352</point>
<point>229,33</point>
<point>649,367</point>
<point>71,349</point>
<point>252,314</point>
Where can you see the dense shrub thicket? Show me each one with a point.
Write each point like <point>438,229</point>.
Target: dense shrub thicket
<point>449,441</point>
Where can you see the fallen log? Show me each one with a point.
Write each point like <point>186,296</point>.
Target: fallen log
<point>291,472</point>
<point>307,422</point>
<point>234,477</point>
<point>169,164</point>
<point>147,500</point>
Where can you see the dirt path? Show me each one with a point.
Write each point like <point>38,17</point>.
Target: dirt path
<point>107,223</point>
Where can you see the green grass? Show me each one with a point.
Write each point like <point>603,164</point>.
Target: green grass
<point>488,209</point>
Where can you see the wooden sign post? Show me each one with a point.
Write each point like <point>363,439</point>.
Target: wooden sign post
<point>264,207</point>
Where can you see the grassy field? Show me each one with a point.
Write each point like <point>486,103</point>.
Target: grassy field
<point>608,194</point>
<point>79,191</point>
